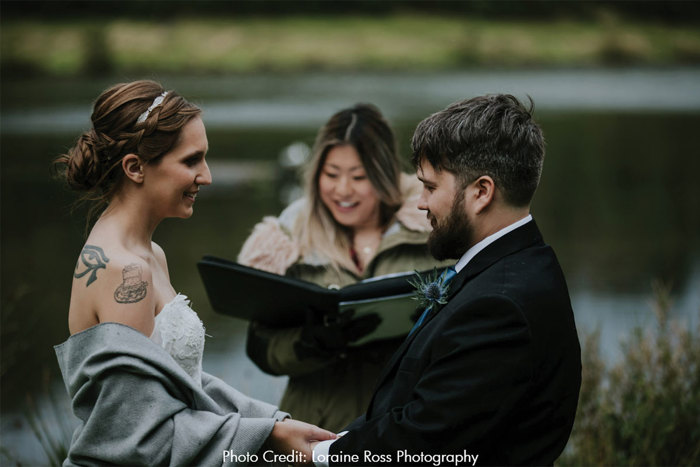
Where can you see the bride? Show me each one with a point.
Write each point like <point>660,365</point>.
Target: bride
<point>133,363</point>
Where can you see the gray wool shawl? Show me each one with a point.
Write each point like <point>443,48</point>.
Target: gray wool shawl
<point>137,406</point>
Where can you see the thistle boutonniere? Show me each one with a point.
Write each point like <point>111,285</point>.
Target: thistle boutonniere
<point>430,289</point>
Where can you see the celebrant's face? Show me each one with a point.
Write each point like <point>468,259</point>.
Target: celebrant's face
<point>444,203</point>
<point>173,181</point>
<point>345,189</point>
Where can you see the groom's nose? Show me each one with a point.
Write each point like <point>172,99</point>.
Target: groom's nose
<point>423,201</point>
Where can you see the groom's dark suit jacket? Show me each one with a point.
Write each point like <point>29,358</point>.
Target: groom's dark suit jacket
<point>496,371</point>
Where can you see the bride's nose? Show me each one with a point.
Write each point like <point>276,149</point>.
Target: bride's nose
<point>204,177</point>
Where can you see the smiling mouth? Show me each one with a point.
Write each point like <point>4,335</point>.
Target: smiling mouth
<point>191,195</point>
<point>432,220</point>
<point>346,204</point>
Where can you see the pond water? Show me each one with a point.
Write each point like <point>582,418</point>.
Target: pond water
<point>619,200</point>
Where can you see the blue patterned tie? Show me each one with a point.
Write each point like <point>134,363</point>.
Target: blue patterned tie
<point>446,278</point>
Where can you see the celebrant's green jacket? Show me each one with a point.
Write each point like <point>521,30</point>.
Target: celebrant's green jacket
<point>331,390</point>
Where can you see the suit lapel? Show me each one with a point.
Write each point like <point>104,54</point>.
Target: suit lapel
<point>520,238</point>
<point>510,243</point>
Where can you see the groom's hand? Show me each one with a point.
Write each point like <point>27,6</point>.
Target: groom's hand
<point>293,437</point>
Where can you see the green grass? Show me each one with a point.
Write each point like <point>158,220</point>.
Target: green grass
<point>290,44</point>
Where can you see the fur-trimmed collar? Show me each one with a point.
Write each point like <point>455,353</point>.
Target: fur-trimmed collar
<point>271,248</point>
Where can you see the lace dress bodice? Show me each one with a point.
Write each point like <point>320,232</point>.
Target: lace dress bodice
<point>180,332</point>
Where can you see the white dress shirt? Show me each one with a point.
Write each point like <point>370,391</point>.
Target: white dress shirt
<point>474,250</point>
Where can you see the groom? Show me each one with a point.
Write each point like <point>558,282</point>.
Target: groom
<point>496,371</point>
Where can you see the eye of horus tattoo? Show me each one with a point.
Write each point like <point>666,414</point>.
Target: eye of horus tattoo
<point>92,258</point>
<point>133,287</point>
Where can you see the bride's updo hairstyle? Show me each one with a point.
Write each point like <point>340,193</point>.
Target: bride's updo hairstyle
<point>138,118</point>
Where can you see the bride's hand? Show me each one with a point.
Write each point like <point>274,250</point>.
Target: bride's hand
<point>293,436</point>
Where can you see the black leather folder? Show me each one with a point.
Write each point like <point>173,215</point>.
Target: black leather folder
<point>250,294</point>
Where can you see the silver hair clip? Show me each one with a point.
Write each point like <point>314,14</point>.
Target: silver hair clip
<point>156,102</point>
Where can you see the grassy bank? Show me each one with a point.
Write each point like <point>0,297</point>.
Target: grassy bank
<point>289,44</point>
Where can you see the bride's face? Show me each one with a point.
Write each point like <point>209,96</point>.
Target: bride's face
<point>174,180</point>
<point>346,190</point>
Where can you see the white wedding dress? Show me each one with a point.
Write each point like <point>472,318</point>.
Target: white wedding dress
<point>180,332</point>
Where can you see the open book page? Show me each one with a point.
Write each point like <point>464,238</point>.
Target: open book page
<point>397,314</point>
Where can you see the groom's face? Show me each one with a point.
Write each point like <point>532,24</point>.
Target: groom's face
<point>444,203</point>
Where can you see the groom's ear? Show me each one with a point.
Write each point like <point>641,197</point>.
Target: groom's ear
<point>482,192</point>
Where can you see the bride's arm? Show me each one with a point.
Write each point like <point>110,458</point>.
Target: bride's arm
<point>127,295</point>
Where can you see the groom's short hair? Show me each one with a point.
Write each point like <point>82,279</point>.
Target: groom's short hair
<point>492,135</point>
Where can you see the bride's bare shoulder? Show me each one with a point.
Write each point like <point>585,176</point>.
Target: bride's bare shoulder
<point>111,284</point>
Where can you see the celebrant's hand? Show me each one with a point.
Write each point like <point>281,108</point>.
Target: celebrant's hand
<point>298,438</point>
<point>335,333</point>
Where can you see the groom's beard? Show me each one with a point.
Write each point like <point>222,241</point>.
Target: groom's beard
<point>450,238</point>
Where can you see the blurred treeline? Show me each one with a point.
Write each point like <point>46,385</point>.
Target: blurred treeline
<point>70,38</point>
<point>671,11</point>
